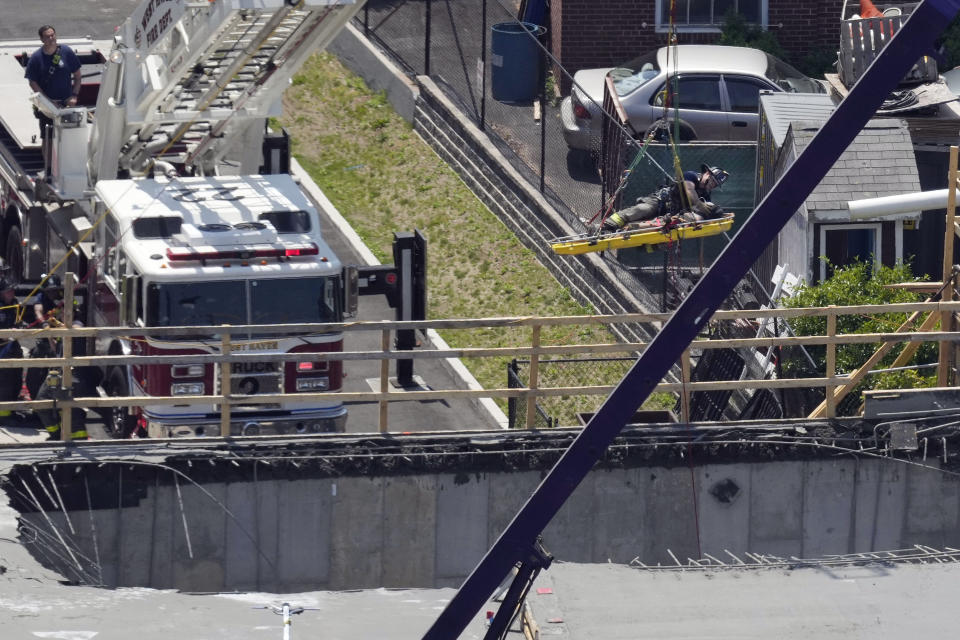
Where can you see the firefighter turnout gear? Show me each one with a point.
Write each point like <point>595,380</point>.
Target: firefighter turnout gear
<point>85,380</point>
<point>692,195</point>
<point>11,379</point>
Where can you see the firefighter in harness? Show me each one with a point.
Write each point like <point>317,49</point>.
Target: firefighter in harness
<point>671,205</point>
<point>85,381</point>
<point>11,379</point>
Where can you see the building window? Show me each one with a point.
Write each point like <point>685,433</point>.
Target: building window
<point>843,244</point>
<point>707,15</point>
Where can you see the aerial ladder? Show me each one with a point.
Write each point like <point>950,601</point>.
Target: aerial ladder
<point>189,84</point>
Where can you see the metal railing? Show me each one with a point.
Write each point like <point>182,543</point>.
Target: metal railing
<point>223,341</point>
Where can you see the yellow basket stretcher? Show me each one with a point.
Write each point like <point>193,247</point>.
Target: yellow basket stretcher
<point>649,237</point>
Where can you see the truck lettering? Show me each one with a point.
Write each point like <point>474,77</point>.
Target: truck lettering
<point>253,367</point>
<point>263,345</point>
<point>158,29</point>
<point>147,14</point>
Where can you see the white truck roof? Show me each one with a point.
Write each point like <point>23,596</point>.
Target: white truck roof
<point>215,215</point>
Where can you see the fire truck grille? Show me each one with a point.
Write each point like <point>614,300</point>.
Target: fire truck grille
<point>255,378</point>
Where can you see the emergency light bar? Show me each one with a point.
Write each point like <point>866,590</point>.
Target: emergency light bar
<point>212,253</point>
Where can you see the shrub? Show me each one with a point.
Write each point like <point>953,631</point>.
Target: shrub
<point>858,284</point>
<point>737,32</point>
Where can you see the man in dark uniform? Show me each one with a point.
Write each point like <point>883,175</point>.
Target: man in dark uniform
<point>54,71</point>
<point>11,379</point>
<point>691,203</point>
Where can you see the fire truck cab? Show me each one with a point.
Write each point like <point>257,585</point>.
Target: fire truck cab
<point>237,250</point>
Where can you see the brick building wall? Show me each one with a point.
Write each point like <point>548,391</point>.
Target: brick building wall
<point>603,33</point>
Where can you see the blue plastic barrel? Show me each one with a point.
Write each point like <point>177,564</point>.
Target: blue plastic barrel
<point>514,61</point>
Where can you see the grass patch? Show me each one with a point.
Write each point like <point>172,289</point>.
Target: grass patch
<point>384,178</point>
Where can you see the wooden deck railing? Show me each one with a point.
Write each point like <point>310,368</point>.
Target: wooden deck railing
<point>229,337</point>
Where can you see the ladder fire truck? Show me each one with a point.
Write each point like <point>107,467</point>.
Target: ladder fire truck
<point>167,194</point>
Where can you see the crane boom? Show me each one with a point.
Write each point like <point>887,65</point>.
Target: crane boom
<point>517,542</point>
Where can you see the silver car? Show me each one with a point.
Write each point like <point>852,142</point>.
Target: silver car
<point>716,89</point>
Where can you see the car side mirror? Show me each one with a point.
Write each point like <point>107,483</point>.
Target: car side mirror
<point>129,290</point>
<point>351,291</point>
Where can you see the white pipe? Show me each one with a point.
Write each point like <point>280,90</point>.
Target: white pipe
<point>902,203</point>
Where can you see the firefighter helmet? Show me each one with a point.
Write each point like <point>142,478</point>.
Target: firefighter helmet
<point>51,281</point>
<point>718,174</point>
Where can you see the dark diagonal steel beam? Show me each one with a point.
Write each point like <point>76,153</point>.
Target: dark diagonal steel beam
<point>915,38</point>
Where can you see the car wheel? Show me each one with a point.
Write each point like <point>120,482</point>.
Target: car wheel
<point>14,254</point>
<point>119,421</point>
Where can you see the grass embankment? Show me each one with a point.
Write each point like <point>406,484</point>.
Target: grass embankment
<point>384,178</point>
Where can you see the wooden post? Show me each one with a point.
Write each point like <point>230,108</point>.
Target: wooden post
<point>831,362</point>
<point>534,377</point>
<point>66,380</point>
<point>946,317</point>
<point>384,378</point>
<point>225,388</point>
<point>685,394</point>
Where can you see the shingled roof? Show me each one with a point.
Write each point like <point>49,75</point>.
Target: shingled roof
<point>879,162</point>
<point>780,109</point>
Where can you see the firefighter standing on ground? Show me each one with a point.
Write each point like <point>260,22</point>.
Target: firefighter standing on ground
<point>85,380</point>
<point>11,379</point>
<point>47,304</point>
<point>692,204</point>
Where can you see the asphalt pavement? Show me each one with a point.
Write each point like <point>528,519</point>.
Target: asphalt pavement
<point>71,18</point>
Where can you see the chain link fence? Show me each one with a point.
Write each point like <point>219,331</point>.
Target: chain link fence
<point>501,76</point>
<point>552,411</point>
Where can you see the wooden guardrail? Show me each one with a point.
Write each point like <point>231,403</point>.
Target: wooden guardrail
<point>229,337</point>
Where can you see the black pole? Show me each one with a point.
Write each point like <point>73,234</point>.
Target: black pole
<point>543,122</point>
<point>511,603</point>
<point>602,160</point>
<point>426,41</point>
<point>366,20</point>
<point>409,258</point>
<point>483,65</point>
<point>512,372</point>
<point>537,559</point>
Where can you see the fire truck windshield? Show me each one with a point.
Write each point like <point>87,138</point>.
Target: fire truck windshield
<point>266,301</point>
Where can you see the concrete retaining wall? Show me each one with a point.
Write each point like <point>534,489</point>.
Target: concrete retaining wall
<point>431,530</point>
<point>496,182</point>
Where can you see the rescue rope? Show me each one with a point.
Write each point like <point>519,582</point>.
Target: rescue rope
<point>670,98</point>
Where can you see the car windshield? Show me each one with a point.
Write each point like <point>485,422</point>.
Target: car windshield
<point>268,301</point>
<point>635,73</point>
<point>789,79</point>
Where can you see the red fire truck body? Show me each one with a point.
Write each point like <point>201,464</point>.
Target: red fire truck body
<point>237,250</point>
